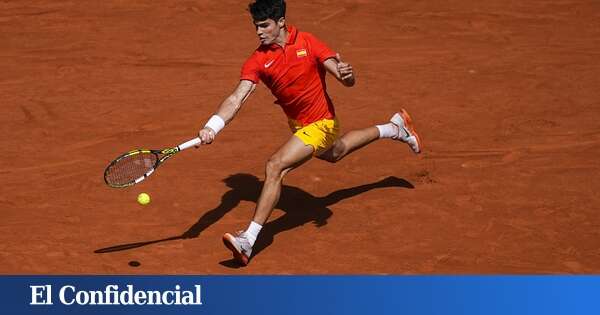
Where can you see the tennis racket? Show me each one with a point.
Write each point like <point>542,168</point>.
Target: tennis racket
<point>134,166</point>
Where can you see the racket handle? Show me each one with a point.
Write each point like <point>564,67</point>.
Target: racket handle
<point>189,144</point>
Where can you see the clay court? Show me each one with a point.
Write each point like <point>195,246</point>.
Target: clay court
<point>505,95</point>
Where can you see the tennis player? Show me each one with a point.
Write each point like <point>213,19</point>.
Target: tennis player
<point>293,64</point>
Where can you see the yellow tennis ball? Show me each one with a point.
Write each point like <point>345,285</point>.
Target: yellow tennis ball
<point>143,199</point>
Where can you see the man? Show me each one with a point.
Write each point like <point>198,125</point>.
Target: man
<point>293,64</point>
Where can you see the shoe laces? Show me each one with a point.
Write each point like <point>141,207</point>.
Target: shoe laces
<point>243,240</point>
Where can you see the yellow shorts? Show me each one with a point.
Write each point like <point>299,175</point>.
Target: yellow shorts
<point>320,135</point>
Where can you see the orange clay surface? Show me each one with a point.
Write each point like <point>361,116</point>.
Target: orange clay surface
<point>505,94</point>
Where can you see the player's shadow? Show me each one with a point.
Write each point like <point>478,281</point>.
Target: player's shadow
<point>299,207</point>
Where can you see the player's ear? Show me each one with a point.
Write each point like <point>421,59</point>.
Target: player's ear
<point>281,22</point>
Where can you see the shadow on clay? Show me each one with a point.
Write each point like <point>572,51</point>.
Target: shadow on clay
<point>299,208</point>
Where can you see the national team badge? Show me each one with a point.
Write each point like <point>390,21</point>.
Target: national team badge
<point>301,53</point>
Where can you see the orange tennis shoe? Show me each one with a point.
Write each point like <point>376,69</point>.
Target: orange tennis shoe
<point>239,246</point>
<point>406,131</point>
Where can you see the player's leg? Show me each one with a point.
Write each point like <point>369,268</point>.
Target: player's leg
<point>399,128</point>
<point>349,142</point>
<point>291,155</point>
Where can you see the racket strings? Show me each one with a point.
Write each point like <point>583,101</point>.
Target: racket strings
<point>130,168</point>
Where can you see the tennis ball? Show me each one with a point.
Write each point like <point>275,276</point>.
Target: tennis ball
<point>143,199</point>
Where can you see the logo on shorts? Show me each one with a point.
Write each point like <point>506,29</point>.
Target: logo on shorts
<point>269,63</point>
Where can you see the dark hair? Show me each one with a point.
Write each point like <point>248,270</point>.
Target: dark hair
<point>267,9</point>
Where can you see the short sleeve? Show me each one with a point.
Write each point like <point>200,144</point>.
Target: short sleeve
<point>251,69</point>
<point>319,50</point>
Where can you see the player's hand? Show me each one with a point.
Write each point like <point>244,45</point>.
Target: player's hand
<point>207,135</point>
<point>344,69</point>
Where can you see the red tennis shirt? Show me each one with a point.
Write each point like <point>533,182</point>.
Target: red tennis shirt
<point>295,75</point>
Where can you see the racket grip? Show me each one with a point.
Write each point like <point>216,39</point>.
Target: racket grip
<point>189,144</point>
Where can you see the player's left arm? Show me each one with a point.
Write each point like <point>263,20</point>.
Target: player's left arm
<point>342,71</point>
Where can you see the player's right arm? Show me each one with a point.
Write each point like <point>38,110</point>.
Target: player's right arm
<point>226,111</point>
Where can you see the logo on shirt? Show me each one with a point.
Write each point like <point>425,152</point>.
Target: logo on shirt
<point>269,63</point>
<point>301,53</point>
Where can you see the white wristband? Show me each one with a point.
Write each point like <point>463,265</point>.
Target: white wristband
<point>215,123</point>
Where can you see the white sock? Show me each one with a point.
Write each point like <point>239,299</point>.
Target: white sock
<point>252,232</point>
<point>388,130</point>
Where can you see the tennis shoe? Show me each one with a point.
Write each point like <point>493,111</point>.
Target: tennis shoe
<point>240,247</point>
<point>406,131</point>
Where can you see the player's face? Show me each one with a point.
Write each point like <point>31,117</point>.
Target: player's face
<point>268,30</point>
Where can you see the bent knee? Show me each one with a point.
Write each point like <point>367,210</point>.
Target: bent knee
<point>335,153</point>
<point>275,168</point>
<point>328,157</point>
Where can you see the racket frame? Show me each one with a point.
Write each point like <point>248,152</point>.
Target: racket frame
<point>166,153</point>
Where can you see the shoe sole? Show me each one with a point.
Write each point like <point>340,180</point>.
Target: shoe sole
<point>228,240</point>
<point>409,125</point>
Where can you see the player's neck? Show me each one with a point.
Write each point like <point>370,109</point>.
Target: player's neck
<point>282,39</point>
